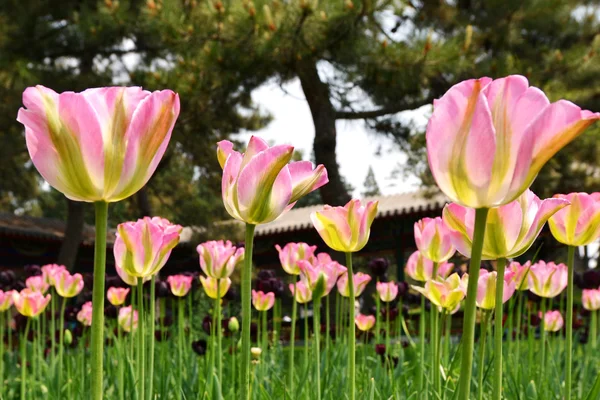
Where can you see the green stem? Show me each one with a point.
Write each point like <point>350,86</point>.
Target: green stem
<point>2,317</point>
<point>438,356</point>
<point>569,322</point>
<point>317,330</point>
<point>180,328</point>
<point>97,345</point>
<point>306,339</point>
<point>265,332</point>
<point>482,337</point>
<point>388,333</point>
<point>246,312</point>
<point>141,346</point>
<point>498,331</point>
<point>130,336</point>
<point>53,325</point>
<point>593,329</point>
<point>327,333</point>
<point>433,321</point>
<point>151,350</point>
<point>421,381</point>
<point>351,328</point>
<point>219,354</point>
<point>543,341</point>
<point>24,358</point>
<point>292,343</point>
<point>121,362</point>
<point>377,318</point>
<point>61,335</point>
<point>468,338</point>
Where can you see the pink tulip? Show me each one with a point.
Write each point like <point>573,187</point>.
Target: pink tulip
<point>302,294</point>
<point>259,185</point>
<point>510,229</point>
<point>347,228</point>
<point>84,316</point>
<point>486,289</point>
<point>116,296</point>
<point>291,253</point>
<point>180,284</point>
<point>263,301</point>
<point>102,144</point>
<point>37,284</point>
<point>143,247</point>
<point>590,298</point>
<point>6,300</point>
<point>210,286</point>
<point>126,320</point>
<point>520,274</point>
<point>547,279</point>
<point>445,293</point>
<point>364,322</point>
<point>579,223</point>
<point>30,303</point>
<point>331,270</point>
<point>420,268</point>
<point>387,291</point>
<point>218,259</point>
<point>360,283</point>
<point>488,139</point>
<point>50,271</point>
<point>433,239</point>
<point>68,285</point>
<point>128,279</point>
<point>553,321</point>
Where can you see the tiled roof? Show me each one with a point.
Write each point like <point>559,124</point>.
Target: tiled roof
<point>398,204</point>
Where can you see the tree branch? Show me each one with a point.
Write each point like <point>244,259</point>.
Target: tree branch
<point>393,109</point>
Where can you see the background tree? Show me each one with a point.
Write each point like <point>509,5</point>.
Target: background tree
<point>370,186</point>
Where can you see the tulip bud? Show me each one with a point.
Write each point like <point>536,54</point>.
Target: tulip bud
<point>233,325</point>
<point>68,337</point>
<point>256,352</point>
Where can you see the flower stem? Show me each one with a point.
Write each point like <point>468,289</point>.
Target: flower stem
<point>351,328</point>
<point>543,341</point>
<point>498,329</point>
<point>61,335</point>
<point>246,312</point>
<point>219,354</point>
<point>180,328</point>
<point>306,339</point>
<point>292,344</point>
<point>97,345</point>
<point>327,333</point>
<point>317,331</point>
<point>569,322</point>
<point>593,329</point>
<point>482,337</point>
<point>152,322</point>
<point>421,381</point>
<point>433,321</point>
<point>466,368</point>
<point>141,346</point>
<point>24,358</point>
<point>388,333</point>
<point>377,318</point>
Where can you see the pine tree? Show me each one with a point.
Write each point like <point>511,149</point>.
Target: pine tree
<point>370,186</point>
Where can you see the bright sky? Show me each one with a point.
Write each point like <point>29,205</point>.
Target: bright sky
<point>356,147</point>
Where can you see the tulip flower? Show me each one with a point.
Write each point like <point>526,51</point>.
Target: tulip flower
<point>143,247</point>
<point>218,259</point>
<point>488,139</point>
<point>6,300</point>
<point>433,239</point>
<point>331,271</point>
<point>30,303</point>
<point>520,274</point>
<point>547,279</point>
<point>102,144</point>
<point>256,352</point>
<point>180,284</point>
<point>68,285</point>
<point>128,279</point>
<point>302,293</point>
<point>510,229</point>
<point>126,320</point>
<point>50,271</point>
<point>259,185</point>
<point>590,299</point>
<point>387,291</point>
<point>210,287</point>
<point>364,322</point>
<point>360,283</point>
<point>579,223</point>
<point>446,293</point>
<point>291,253</point>
<point>347,228</point>
<point>116,296</point>
<point>263,301</point>
<point>84,316</point>
<point>553,321</point>
<point>37,284</point>
<point>486,289</point>
<point>420,268</point>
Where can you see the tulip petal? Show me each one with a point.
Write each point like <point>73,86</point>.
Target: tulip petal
<point>333,227</point>
<point>224,149</point>
<point>305,179</point>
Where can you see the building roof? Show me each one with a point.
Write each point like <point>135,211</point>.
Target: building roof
<point>393,205</point>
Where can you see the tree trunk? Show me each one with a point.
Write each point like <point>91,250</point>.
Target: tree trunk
<point>73,234</point>
<point>323,114</point>
<point>144,202</point>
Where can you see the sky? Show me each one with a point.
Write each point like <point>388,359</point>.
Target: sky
<point>356,147</point>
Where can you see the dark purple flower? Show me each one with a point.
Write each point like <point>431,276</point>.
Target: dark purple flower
<point>199,347</point>
<point>379,267</point>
